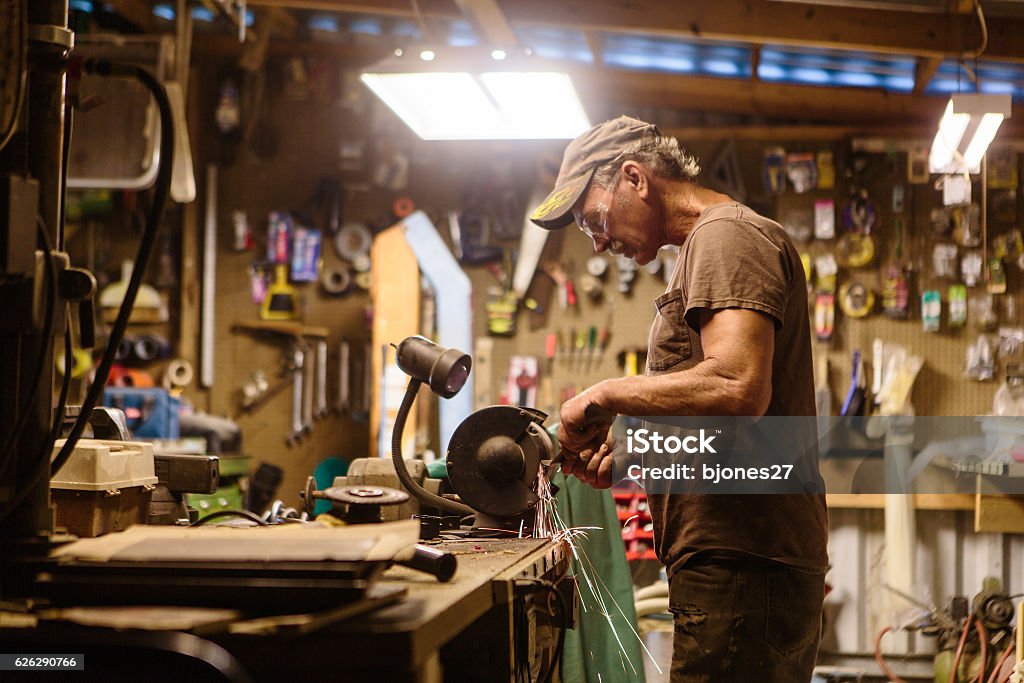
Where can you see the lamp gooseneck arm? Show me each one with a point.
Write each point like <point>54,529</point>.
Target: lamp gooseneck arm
<point>421,494</point>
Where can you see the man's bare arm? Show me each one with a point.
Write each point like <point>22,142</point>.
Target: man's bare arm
<point>735,378</point>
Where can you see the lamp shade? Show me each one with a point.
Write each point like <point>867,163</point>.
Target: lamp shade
<point>471,93</point>
<point>968,125</point>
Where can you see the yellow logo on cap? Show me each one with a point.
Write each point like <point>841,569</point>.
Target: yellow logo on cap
<point>556,201</point>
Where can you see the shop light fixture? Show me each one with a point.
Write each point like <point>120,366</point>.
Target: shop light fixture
<point>471,93</point>
<point>967,127</point>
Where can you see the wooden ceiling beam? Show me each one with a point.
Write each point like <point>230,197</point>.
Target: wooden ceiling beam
<point>488,19</point>
<point>135,11</point>
<point>923,72</point>
<point>865,107</point>
<point>747,21</point>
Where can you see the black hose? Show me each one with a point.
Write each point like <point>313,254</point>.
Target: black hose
<point>160,195</point>
<point>6,455</point>
<point>417,491</point>
<point>245,514</point>
<point>556,656</point>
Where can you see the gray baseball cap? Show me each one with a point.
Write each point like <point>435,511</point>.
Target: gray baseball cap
<point>597,146</point>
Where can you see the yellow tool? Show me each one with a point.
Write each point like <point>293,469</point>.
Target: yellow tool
<point>281,302</point>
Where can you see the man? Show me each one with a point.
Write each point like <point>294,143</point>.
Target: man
<point>731,337</point>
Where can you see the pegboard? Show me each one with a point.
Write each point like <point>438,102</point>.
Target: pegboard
<point>631,318</point>
<point>940,389</point>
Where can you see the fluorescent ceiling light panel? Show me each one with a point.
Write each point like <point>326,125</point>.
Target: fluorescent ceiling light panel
<point>968,126</point>
<point>982,138</point>
<point>447,100</point>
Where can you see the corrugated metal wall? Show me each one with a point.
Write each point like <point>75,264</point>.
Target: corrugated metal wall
<point>950,559</point>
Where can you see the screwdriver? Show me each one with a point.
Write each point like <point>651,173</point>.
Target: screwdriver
<point>591,346</point>
<point>581,343</point>
<point>550,349</point>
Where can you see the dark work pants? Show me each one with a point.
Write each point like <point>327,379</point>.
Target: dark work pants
<point>745,620</point>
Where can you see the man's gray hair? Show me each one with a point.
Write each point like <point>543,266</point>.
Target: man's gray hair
<point>661,155</point>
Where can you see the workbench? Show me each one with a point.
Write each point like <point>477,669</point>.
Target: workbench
<point>463,630</point>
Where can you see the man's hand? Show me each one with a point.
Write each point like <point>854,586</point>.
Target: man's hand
<point>584,423</point>
<point>593,468</point>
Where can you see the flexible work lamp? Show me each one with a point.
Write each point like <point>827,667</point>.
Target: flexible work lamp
<point>472,93</point>
<point>967,127</point>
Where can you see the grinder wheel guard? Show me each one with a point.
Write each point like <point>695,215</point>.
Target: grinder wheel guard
<point>494,456</point>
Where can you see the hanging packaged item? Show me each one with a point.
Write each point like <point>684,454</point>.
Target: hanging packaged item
<point>957,305</point>
<point>824,315</point>
<point>1002,168</point>
<point>901,368</point>
<point>996,277</point>
<point>306,248</point>
<point>970,268</point>
<point>1009,398</point>
<point>981,362</point>
<point>798,221</point>
<point>523,377</point>
<point>1011,344</point>
<point>895,292</point>
<point>967,225</point>
<point>944,260</point>
<point>501,310</point>
<point>773,170</point>
<point>917,166</point>
<point>279,236</point>
<point>824,219</point>
<point>826,170</point>
<point>859,214</point>
<point>825,269</point>
<point>981,311</point>
<point>897,198</point>
<point>258,283</point>
<point>1008,246</point>
<point>1010,310</point>
<point>242,230</point>
<point>802,172</point>
<point>931,310</point>
<point>941,221</point>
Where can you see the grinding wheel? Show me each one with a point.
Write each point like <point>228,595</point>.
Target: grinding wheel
<point>494,457</point>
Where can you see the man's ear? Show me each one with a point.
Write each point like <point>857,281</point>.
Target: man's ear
<point>636,175</point>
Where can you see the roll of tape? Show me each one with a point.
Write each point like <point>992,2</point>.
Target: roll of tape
<point>856,300</point>
<point>149,347</point>
<point>363,280</point>
<point>125,349</point>
<point>403,206</point>
<point>352,241</point>
<point>178,374</point>
<point>335,280</point>
<point>361,264</point>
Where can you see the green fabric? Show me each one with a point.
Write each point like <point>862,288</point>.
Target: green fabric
<point>591,648</point>
<point>438,469</point>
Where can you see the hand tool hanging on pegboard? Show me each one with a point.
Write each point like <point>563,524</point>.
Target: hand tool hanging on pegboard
<point>343,402</point>
<point>321,379</point>
<point>298,429</point>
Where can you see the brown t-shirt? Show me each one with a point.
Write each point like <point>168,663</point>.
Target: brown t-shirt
<point>735,258</point>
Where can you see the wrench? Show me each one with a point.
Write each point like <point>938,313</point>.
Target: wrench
<point>321,379</point>
<point>343,403</point>
<point>297,360</point>
<point>308,367</point>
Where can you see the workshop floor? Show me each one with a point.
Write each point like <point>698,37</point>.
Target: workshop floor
<point>657,635</point>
